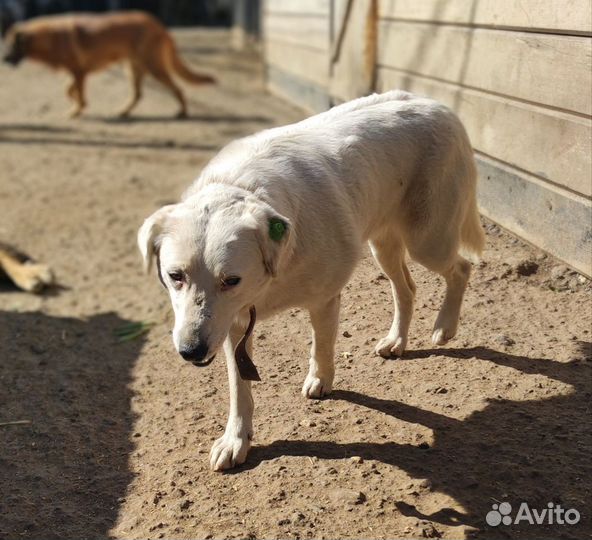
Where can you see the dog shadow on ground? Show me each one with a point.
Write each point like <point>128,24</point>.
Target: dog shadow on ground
<point>110,142</point>
<point>207,118</point>
<point>36,128</point>
<point>535,451</point>
<point>65,423</point>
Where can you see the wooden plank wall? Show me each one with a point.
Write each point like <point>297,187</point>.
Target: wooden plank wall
<point>296,45</point>
<point>518,73</point>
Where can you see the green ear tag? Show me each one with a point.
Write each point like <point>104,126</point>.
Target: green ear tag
<point>277,229</point>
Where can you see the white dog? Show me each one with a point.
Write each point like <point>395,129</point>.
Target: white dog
<point>279,219</point>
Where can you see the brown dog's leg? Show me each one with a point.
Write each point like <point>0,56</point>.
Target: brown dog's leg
<point>76,92</point>
<point>137,75</point>
<point>22,271</point>
<point>159,72</point>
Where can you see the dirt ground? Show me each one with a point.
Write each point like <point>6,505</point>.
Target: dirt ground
<point>118,434</point>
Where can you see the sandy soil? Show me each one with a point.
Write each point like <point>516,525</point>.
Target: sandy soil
<point>119,433</point>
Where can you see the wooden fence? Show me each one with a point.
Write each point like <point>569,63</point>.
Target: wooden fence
<point>517,72</point>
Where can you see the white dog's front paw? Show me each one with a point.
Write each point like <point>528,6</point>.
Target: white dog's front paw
<point>391,346</point>
<point>229,451</point>
<point>441,336</point>
<point>316,387</point>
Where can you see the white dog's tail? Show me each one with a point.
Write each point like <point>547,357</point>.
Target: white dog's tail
<point>472,238</point>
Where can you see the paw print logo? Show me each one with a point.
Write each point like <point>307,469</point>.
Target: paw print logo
<point>499,514</point>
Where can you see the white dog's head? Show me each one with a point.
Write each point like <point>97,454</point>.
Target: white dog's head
<point>217,253</point>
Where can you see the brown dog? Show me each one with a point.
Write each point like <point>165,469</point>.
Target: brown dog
<point>23,271</point>
<point>81,43</point>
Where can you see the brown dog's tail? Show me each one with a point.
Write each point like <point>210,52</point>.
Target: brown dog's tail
<point>182,70</point>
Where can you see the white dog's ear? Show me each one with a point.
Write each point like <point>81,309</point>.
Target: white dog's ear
<point>149,234</point>
<point>274,234</point>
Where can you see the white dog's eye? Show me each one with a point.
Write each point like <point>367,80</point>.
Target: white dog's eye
<point>177,277</point>
<point>229,282</point>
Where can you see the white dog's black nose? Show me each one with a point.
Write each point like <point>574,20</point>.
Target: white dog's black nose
<point>194,353</point>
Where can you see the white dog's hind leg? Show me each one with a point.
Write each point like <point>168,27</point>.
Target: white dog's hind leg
<point>456,278</point>
<point>389,252</point>
<point>231,449</point>
<point>324,320</point>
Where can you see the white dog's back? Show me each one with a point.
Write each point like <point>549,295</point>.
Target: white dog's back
<point>385,157</point>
